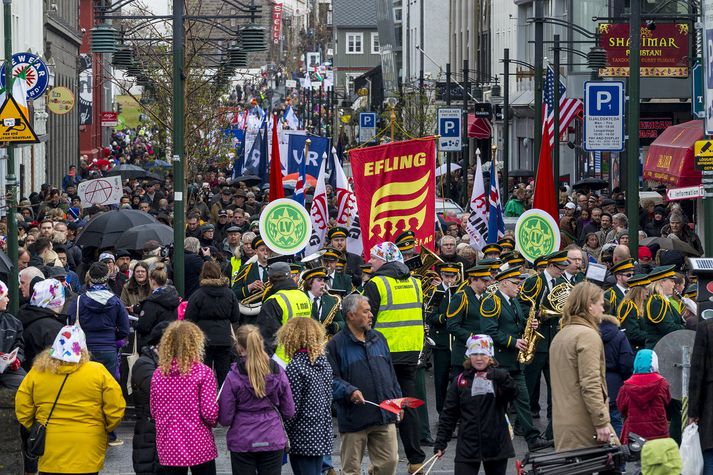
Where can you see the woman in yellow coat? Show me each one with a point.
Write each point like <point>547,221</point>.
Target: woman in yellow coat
<point>89,406</point>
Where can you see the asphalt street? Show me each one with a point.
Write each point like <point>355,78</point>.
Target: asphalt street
<point>118,459</point>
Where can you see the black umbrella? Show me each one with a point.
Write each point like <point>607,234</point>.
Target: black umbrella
<point>105,228</point>
<point>128,172</point>
<point>521,173</point>
<point>135,238</point>
<point>5,263</point>
<point>591,183</point>
<point>671,244</point>
<point>249,180</point>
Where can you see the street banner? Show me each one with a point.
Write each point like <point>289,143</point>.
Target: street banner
<point>477,226</point>
<point>496,222</point>
<point>396,190</point>
<point>102,191</point>
<point>319,215</point>
<point>276,22</point>
<point>347,212</point>
<point>318,147</point>
<point>285,226</point>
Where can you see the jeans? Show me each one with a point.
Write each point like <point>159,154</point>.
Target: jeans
<point>327,463</point>
<point>306,464</point>
<point>207,468</point>
<point>260,463</point>
<point>708,462</point>
<point>616,421</point>
<point>110,360</point>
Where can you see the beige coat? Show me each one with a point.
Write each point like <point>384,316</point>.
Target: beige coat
<point>579,388</point>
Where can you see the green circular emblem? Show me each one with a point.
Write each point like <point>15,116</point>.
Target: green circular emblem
<point>536,234</point>
<point>285,226</point>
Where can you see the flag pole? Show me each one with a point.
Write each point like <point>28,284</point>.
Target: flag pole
<point>556,105</point>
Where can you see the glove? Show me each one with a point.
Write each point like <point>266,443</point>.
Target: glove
<point>15,365</point>
<point>496,375</point>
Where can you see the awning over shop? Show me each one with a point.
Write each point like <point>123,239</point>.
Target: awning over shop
<point>479,127</point>
<point>670,158</point>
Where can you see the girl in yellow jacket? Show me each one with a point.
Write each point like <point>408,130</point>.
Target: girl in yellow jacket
<point>89,406</point>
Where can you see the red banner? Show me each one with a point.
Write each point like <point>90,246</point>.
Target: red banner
<point>395,188</point>
<point>664,50</point>
<point>276,22</point>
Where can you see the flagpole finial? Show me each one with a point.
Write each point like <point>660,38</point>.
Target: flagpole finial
<point>477,151</point>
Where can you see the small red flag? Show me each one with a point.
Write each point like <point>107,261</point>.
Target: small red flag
<point>277,189</point>
<point>397,405</point>
<point>545,191</point>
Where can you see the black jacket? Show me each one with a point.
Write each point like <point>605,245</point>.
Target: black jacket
<point>483,433</point>
<point>11,335</point>
<point>213,307</point>
<point>144,453</point>
<point>193,264</point>
<point>396,270</point>
<point>270,317</point>
<point>700,387</point>
<point>40,327</point>
<point>158,307</point>
<point>618,355</point>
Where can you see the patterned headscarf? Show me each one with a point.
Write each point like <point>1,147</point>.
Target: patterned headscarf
<point>68,344</point>
<point>48,293</point>
<point>3,288</point>
<point>480,345</point>
<point>387,251</point>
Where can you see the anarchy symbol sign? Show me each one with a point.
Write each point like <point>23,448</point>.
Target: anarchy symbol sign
<point>102,191</point>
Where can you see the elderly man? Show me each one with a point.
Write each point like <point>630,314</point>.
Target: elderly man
<point>363,371</point>
<point>29,276</point>
<point>678,228</point>
<point>396,299</point>
<point>449,253</point>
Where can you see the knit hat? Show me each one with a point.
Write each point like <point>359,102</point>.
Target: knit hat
<point>68,344</point>
<point>98,273</point>
<point>480,345</point>
<point>387,251</point>
<point>646,362</point>
<point>48,293</point>
<point>106,256</point>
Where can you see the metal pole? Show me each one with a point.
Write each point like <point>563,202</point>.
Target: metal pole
<point>421,105</point>
<point>506,123</point>
<point>466,156</point>
<point>11,179</point>
<point>556,102</point>
<point>319,109</point>
<point>539,59</point>
<point>310,111</point>
<point>179,226</point>
<point>632,148</point>
<point>448,154</point>
<point>708,211</point>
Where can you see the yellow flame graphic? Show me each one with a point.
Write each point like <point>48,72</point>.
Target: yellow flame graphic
<point>399,213</point>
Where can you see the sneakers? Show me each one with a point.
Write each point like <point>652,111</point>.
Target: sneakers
<point>116,443</point>
<point>415,468</point>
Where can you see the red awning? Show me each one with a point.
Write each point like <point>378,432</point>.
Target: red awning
<point>479,127</point>
<point>670,158</point>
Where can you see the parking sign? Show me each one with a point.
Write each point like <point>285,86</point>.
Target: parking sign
<point>603,116</point>
<point>449,128</point>
<point>367,126</point>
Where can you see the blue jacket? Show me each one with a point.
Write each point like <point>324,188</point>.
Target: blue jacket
<point>103,319</point>
<point>618,355</point>
<point>365,366</point>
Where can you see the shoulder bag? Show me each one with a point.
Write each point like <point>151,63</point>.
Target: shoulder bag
<point>38,432</point>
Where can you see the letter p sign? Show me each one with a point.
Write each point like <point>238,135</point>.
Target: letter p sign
<point>604,99</point>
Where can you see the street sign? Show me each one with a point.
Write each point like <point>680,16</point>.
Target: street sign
<point>697,100</point>
<point>14,126</point>
<point>35,70</point>
<point>703,151</point>
<point>483,109</point>
<point>367,126</point>
<point>707,15</point>
<point>290,83</point>
<point>449,128</point>
<point>685,193</point>
<point>109,119</point>
<point>603,116</point>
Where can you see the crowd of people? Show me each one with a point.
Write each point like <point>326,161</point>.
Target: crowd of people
<point>100,327</point>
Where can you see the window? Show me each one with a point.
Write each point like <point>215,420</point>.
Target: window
<point>375,43</point>
<point>397,15</point>
<point>349,82</point>
<point>355,43</point>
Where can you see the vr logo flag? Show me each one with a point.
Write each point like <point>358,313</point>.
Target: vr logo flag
<point>318,147</point>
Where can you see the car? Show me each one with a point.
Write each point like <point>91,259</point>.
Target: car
<point>445,205</point>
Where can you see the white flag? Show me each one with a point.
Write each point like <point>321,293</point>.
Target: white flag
<point>347,213</point>
<point>318,213</point>
<point>477,226</point>
<point>101,191</point>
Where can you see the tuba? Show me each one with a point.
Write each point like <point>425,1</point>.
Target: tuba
<point>553,304</point>
<point>531,336</point>
<point>428,260</point>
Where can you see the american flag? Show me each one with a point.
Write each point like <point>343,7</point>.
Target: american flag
<point>568,106</point>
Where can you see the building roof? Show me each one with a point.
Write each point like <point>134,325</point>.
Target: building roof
<point>354,14</point>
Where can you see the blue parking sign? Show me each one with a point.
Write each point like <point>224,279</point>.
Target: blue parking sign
<point>367,126</point>
<point>449,128</point>
<point>603,116</point>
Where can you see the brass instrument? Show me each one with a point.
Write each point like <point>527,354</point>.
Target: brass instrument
<point>553,304</point>
<point>428,260</point>
<point>531,336</point>
<point>332,313</point>
<point>252,304</point>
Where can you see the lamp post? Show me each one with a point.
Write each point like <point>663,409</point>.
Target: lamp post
<point>632,143</point>
<point>539,59</point>
<point>179,104</point>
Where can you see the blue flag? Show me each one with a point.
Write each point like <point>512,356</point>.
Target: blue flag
<point>264,167</point>
<point>318,147</point>
<point>299,195</point>
<point>496,223</point>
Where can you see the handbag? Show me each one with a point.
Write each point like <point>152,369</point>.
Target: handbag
<point>38,432</point>
<point>130,362</point>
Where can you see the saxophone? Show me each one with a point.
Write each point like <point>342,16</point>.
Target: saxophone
<point>531,336</point>
<point>332,313</point>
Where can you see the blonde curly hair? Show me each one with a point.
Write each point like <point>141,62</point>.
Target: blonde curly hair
<point>44,363</point>
<point>182,342</point>
<point>302,333</point>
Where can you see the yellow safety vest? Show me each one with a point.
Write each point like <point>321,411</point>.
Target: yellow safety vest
<point>293,303</point>
<point>400,317</point>
<point>235,265</point>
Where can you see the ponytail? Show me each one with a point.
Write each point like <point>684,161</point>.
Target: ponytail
<point>257,363</point>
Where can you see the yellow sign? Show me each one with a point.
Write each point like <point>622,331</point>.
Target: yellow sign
<point>60,100</point>
<point>703,148</point>
<point>14,126</point>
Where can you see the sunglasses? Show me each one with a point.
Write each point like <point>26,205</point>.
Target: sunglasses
<point>629,274</point>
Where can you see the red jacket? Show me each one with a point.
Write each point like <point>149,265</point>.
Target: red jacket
<point>642,401</point>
